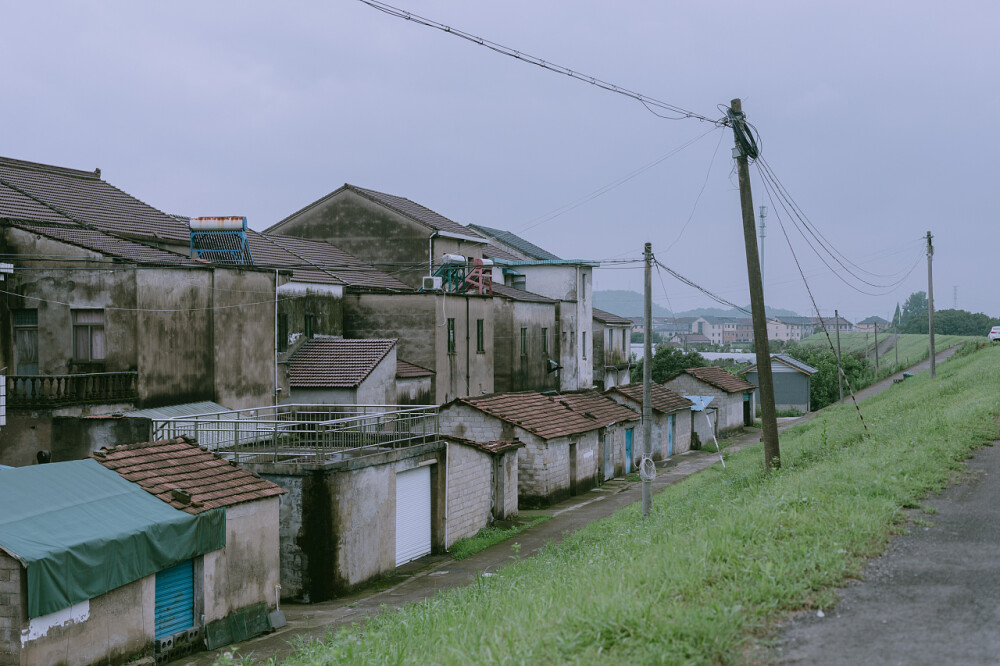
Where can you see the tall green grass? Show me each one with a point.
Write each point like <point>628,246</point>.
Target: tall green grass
<point>721,557</point>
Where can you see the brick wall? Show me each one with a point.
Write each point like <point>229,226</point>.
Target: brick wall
<point>470,491</point>
<point>461,420</point>
<point>11,610</point>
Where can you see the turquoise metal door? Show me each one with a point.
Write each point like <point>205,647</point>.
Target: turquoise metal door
<point>670,434</point>
<point>628,450</point>
<point>174,599</point>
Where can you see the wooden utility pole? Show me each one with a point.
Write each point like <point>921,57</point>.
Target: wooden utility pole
<point>647,380</point>
<point>876,347</point>
<point>769,422</point>
<point>930,298</point>
<point>840,369</point>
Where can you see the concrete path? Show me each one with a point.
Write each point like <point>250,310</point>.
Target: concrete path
<point>424,578</point>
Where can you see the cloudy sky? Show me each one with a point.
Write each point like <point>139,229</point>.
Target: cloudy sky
<point>877,118</point>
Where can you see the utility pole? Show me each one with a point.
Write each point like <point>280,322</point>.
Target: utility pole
<point>745,144</point>
<point>840,370</point>
<point>930,298</point>
<point>647,380</point>
<point>763,233</point>
<point>876,347</point>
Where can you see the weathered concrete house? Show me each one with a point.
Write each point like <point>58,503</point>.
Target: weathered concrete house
<point>96,321</point>
<point>525,341</point>
<point>791,383</point>
<point>560,457</point>
<point>733,395</point>
<point>187,545</point>
<point>671,426</point>
<point>482,485</point>
<point>612,351</point>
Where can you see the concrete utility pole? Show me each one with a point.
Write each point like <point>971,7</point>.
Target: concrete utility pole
<point>876,347</point>
<point>647,380</point>
<point>930,298</point>
<point>840,370</point>
<point>769,422</point>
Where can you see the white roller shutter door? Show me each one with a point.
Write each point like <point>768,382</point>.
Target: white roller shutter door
<point>413,514</point>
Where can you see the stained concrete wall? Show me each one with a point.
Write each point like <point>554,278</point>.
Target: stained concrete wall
<point>338,521</point>
<point>413,391</point>
<point>528,371</point>
<point>470,491</point>
<point>113,628</point>
<point>419,321</point>
<point>246,571</point>
<point>611,355</point>
<point>729,405</point>
<point>375,234</point>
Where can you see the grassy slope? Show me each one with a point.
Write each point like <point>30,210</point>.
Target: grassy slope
<point>912,346</point>
<point>722,556</point>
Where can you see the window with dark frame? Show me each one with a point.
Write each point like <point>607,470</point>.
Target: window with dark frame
<point>451,335</point>
<point>88,335</point>
<point>584,344</point>
<point>480,343</point>
<point>282,332</point>
<point>524,342</point>
<point>545,341</point>
<point>26,341</point>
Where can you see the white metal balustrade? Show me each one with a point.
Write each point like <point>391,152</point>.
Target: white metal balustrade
<point>297,434</point>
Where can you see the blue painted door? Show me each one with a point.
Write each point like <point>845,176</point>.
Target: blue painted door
<point>628,450</point>
<point>670,434</point>
<point>174,599</point>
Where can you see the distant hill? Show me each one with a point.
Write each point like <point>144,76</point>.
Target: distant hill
<point>626,303</point>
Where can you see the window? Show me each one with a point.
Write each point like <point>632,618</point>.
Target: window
<point>584,344</point>
<point>88,335</point>
<point>26,341</point>
<point>524,342</point>
<point>480,346</point>
<point>451,335</point>
<point>282,340</point>
<point>545,341</point>
<point>312,323</point>
<point>583,285</point>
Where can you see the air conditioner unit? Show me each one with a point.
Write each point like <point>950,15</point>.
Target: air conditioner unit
<point>431,283</point>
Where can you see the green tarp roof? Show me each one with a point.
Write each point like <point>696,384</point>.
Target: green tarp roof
<point>82,530</point>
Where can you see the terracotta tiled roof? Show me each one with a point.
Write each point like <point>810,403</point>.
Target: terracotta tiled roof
<point>81,196</point>
<point>160,468</point>
<point>318,261</point>
<point>408,370</point>
<point>609,318</point>
<point>494,447</point>
<point>601,407</point>
<point>520,294</point>
<point>664,400</point>
<point>721,379</point>
<point>335,363</point>
<point>539,414</point>
<point>98,241</point>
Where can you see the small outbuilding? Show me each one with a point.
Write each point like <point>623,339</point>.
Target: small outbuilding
<point>792,383</point>
<point>482,485</point>
<point>335,371</point>
<point>671,427</point>
<point>733,395</point>
<point>150,550</point>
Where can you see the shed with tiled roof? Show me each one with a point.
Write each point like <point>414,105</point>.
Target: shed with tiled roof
<point>343,371</point>
<point>792,383</point>
<point>561,454</point>
<point>413,384</point>
<point>482,483</point>
<point>733,396</point>
<point>671,426</point>
<point>237,581</point>
<point>620,427</point>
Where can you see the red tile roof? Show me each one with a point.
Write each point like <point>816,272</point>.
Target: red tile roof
<point>494,447</point>
<point>335,363</point>
<point>664,400</point>
<point>539,414</point>
<point>408,370</point>
<point>601,407</point>
<point>721,379</point>
<point>202,479</point>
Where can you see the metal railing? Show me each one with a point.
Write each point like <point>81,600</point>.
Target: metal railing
<point>40,391</point>
<point>298,434</point>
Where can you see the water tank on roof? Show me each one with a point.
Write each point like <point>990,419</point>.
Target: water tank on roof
<point>218,224</point>
<point>452,259</point>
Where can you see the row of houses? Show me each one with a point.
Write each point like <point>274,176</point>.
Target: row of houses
<point>720,330</point>
<point>284,414</point>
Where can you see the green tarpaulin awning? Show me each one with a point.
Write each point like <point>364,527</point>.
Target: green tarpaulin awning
<point>82,530</point>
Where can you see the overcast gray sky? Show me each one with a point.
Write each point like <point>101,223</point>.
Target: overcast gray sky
<point>878,118</point>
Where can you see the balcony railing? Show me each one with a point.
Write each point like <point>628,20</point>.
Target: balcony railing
<point>41,391</point>
<point>313,434</point>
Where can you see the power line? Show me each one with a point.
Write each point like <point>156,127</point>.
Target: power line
<point>677,113</point>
